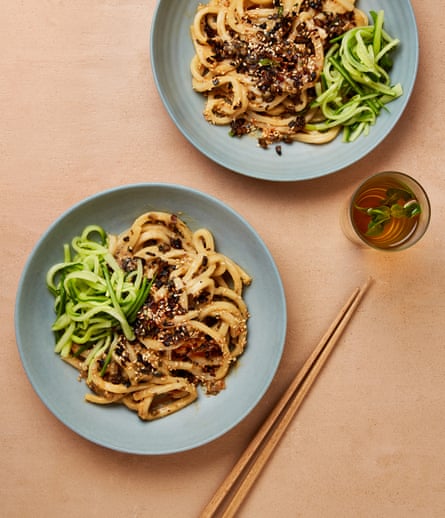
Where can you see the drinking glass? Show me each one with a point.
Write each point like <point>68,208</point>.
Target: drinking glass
<point>388,211</point>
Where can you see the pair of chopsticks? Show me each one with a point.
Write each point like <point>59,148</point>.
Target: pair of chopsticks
<point>238,482</point>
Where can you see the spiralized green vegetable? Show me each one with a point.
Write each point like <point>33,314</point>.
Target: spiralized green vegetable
<point>355,84</point>
<point>95,300</point>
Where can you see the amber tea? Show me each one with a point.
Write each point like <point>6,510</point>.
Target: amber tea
<point>388,211</point>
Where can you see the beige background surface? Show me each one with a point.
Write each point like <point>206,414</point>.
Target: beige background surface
<point>79,114</point>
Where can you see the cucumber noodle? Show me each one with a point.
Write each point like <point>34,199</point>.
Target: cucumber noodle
<point>355,84</point>
<point>95,300</point>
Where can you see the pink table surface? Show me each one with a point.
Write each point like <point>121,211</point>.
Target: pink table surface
<point>79,114</point>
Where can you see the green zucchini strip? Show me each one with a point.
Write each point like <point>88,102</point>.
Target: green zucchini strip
<point>355,84</point>
<point>95,300</point>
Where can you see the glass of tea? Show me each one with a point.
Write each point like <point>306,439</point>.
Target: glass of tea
<point>388,211</point>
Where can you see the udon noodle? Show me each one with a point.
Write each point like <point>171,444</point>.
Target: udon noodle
<point>257,62</point>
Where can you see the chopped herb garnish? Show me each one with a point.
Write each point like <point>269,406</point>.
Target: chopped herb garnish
<point>398,203</point>
<point>266,62</point>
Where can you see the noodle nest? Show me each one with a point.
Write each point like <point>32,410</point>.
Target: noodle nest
<point>257,63</point>
<point>188,332</point>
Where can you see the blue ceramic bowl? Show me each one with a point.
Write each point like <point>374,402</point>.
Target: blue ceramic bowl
<point>116,427</point>
<point>172,51</point>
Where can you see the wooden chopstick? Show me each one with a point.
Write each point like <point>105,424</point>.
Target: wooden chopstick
<point>266,439</point>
